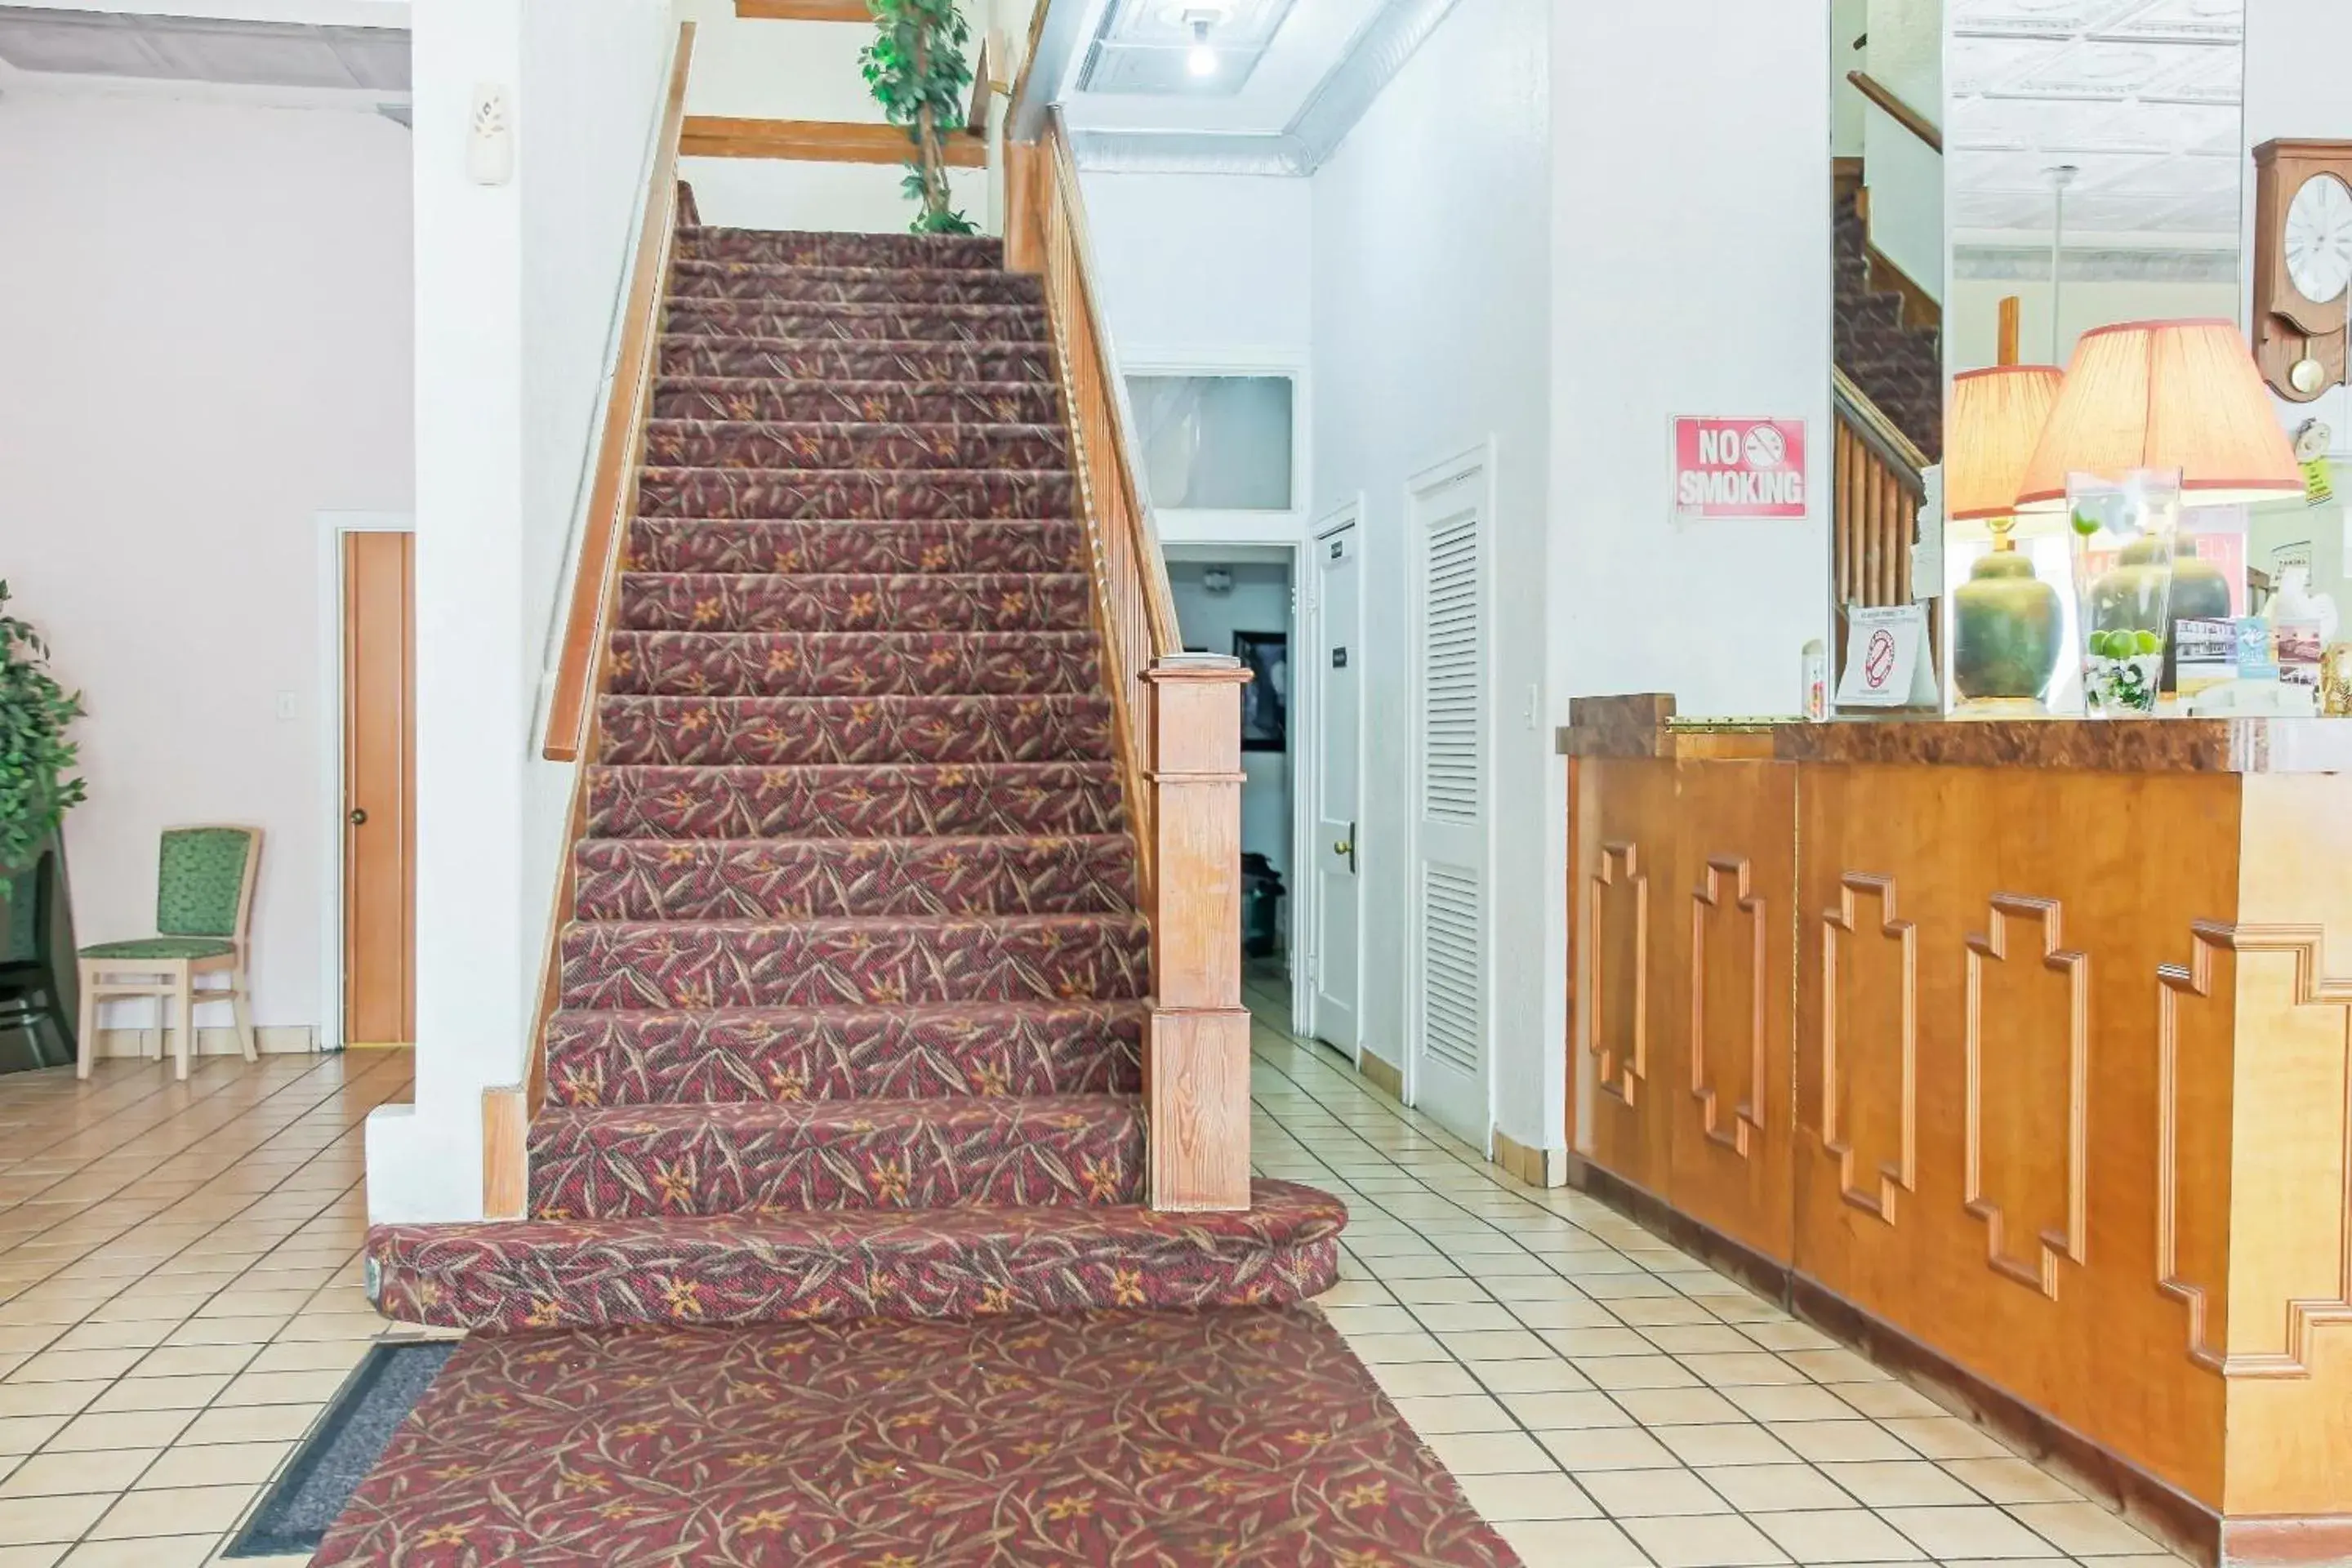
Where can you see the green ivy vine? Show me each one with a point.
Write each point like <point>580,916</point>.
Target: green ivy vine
<point>917,70</point>
<point>35,754</point>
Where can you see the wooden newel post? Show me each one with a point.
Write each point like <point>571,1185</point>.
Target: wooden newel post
<point>1196,1060</point>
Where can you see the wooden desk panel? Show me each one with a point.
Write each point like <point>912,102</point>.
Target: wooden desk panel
<point>1690,895</point>
<point>2037,909</point>
<point>2043,1074</point>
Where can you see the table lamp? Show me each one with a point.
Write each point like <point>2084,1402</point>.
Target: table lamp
<point>2145,399</point>
<point>2007,623</point>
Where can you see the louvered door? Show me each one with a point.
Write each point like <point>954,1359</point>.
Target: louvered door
<point>1449,1005</point>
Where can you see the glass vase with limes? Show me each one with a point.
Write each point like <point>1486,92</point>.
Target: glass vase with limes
<point>2123,533</point>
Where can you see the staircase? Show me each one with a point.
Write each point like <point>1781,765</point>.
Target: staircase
<point>1883,346</point>
<point>852,1002</point>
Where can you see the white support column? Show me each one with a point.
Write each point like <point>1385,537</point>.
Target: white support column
<point>474,648</point>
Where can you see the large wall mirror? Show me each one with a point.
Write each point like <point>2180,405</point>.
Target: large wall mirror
<point>2095,163</point>
<point>1887,189</point>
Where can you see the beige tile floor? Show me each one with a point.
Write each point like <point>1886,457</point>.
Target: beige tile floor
<point>179,1294</point>
<point>179,1299</point>
<point>1607,1401</point>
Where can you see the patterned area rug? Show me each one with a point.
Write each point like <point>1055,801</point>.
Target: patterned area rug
<point>1235,1438</point>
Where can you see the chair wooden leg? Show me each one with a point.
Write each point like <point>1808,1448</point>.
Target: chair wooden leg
<point>184,1043</point>
<point>86,1036</point>
<point>237,1005</point>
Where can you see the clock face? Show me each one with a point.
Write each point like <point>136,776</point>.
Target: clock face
<point>2319,239</point>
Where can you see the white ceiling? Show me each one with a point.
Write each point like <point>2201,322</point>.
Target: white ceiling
<point>264,59</point>
<point>1293,76</point>
<point>2142,96</point>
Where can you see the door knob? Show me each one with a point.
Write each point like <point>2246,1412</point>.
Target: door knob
<point>358,815</point>
<point>1343,848</point>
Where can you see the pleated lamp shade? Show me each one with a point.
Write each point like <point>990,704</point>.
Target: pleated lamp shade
<point>1990,435</point>
<point>2164,395</point>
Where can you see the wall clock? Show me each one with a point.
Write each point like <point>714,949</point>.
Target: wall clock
<point>2303,264</point>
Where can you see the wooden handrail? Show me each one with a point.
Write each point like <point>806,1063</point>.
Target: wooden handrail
<point>1175,718</point>
<point>1903,114</point>
<point>819,141</point>
<point>1856,408</point>
<point>1879,488</point>
<point>613,493</point>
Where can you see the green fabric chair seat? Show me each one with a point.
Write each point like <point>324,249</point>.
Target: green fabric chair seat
<point>161,947</point>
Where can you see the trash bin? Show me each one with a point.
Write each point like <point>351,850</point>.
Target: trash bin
<point>1261,907</point>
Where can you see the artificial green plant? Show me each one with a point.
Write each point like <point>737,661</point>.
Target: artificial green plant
<point>918,72</point>
<point>35,755</point>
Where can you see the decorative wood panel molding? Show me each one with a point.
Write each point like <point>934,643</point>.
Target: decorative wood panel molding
<point>1746,1118</point>
<point>818,142</point>
<point>1901,1174</point>
<point>1624,1062</point>
<point>2041,1271</point>
<point>2307,945</point>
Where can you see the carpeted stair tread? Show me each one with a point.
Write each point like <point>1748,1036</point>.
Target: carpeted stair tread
<point>847,602</point>
<point>845,961</point>
<point>769,879</point>
<point>852,664</point>
<point>797,247</point>
<point>918,800</point>
<point>803,1156</point>
<point>846,1053</point>
<point>513,1276</point>
<point>877,401</point>
<point>874,545</point>
<point>817,359</point>
<point>829,493</point>
<point>698,279</point>
<point>784,730</point>
<point>904,323</point>
<point>765,444</point>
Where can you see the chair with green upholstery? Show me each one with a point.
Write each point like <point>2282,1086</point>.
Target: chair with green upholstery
<point>203,903</point>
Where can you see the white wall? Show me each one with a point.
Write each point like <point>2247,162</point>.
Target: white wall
<point>1665,305</point>
<point>1200,263</point>
<point>204,341</point>
<point>2298,83</point>
<point>1432,308</point>
<point>515,289</point>
<point>766,69</point>
<point>1258,601</point>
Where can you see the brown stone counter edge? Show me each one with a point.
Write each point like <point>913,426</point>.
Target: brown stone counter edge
<point>1636,726</point>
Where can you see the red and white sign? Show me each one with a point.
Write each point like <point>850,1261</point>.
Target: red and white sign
<point>1739,468</point>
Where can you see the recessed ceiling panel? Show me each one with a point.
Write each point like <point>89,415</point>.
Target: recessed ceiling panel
<point>239,52</point>
<point>1157,47</point>
<point>54,41</point>
<point>205,49</point>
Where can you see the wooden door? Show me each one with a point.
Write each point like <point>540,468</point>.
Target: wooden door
<point>1336,665</point>
<point>1452,979</point>
<point>379,789</point>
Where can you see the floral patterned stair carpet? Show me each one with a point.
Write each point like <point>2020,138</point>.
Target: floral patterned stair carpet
<point>1243,1437</point>
<point>852,1000</point>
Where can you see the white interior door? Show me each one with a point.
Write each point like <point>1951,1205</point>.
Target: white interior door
<point>1335,605</point>
<point>1451,980</point>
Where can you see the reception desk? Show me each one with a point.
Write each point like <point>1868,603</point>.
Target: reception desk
<point>2014,1053</point>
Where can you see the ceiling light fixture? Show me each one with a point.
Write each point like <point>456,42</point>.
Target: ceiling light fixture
<point>1201,60</point>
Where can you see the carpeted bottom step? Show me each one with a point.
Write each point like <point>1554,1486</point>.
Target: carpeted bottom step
<point>504,1278</point>
<point>846,1053</point>
<point>804,1156</point>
